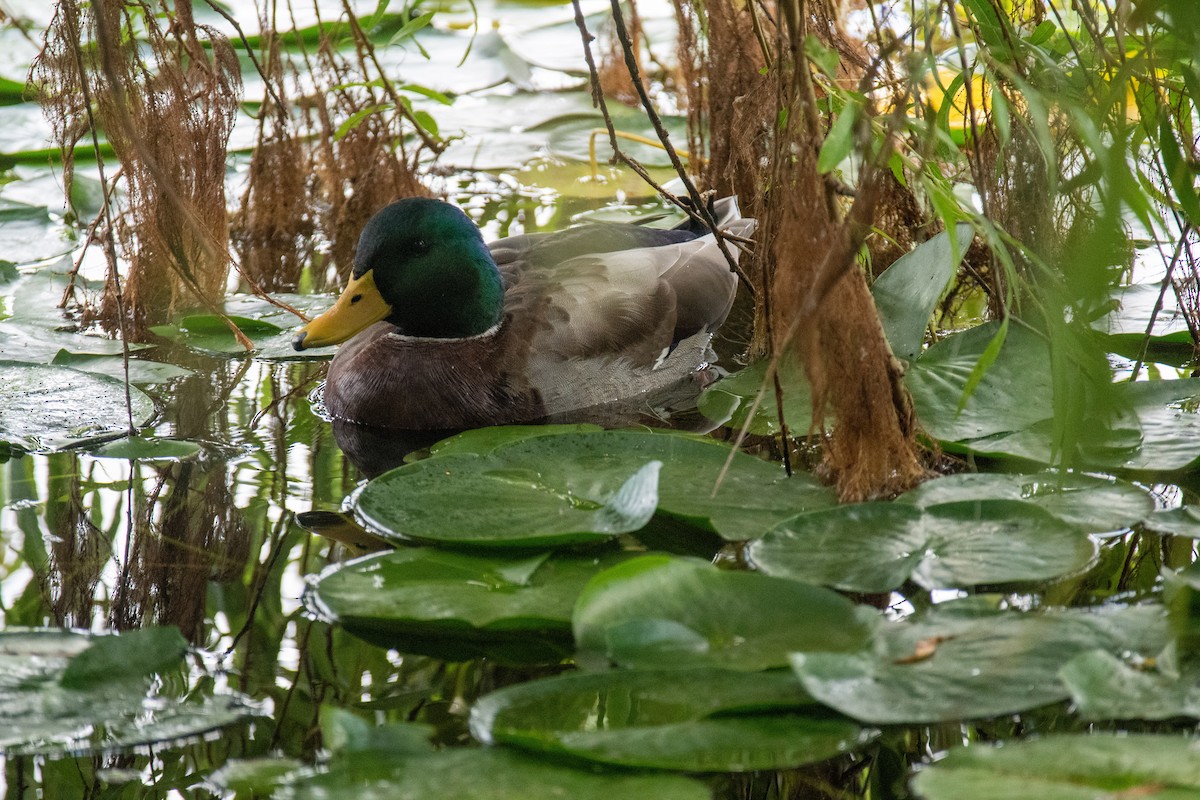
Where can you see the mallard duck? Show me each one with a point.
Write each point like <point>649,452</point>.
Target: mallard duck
<point>451,333</point>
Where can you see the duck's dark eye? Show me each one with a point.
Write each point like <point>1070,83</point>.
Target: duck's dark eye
<point>420,247</point>
<point>356,298</point>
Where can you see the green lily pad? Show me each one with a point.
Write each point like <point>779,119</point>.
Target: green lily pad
<point>1013,394</point>
<point>659,719</point>
<point>1009,414</point>
<point>483,441</point>
<point>457,606</point>
<point>1156,431</point>
<point>752,497</point>
<point>1094,503</point>
<point>269,327</point>
<point>63,692</point>
<point>1068,767</point>
<point>963,660</point>
<point>908,291</point>
<point>729,401</point>
<point>45,408</point>
<point>659,611</point>
<point>452,499</point>
<point>1104,686</point>
<point>876,547</point>
<point>480,774</point>
<point>137,448</point>
<point>567,487</point>
<point>1182,521</point>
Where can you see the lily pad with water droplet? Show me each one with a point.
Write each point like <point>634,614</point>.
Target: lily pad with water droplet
<point>455,498</point>
<point>966,660</point>
<point>1068,767</point>
<point>64,692</point>
<point>736,722</point>
<point>660,611</point>
<point>575,486</point>
<point>876,547</point>
<point>44,408</point>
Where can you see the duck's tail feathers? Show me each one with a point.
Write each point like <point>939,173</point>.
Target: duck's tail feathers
<point>728,216</point>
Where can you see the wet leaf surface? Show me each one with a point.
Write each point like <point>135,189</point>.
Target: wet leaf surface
<point>661,611</point>
<point>64,692</point>
<point>634,718</point>
<point>986,662</point>
<point>1068,767</point>
<point>876,547</point>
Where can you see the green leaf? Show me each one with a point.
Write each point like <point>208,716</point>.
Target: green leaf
<point>1012,394</point>
<point>658,611</point>
<point>908,291</point>
<point>133,654</point>
<point>1104,686</point>
<point>554,487</point>
<point>839,142</point>
<point>730,399</point>
<point>1042,33</point>
<point>1096,504</point>
<point>457,606</point>
<point>1179,172</point>
<point>448,499</point>
<point>137,448</point>
<point>44,408</point>
<point>962,661</point>
<point>66,693</point>
<point>1182,521</point>
<point>659,720</point>
<point>1068,767</point>
<point>482,774</point>
<point>879,546</point>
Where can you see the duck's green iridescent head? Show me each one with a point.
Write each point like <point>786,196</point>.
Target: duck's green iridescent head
<point>421,265</point>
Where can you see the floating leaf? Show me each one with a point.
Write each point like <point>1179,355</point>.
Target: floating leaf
<point>457,606</point>
<point>1093,503</point>
<point>453,498</point>
<point>1010,412</point>
<point>566,487</point>
<point>137,448</point>
<point>876,547</point>
<point>1068,767</point>
<point>1182,521</point>
<point>72,693</point>
<point>480,774</point>
<point>730,400</point>
<point>659,611</point>
<point>659,719</point>
<point>45,408</point>
<point>985,662</point>
<point>1012,395</point>
<point>1104,686</point>
<point>131,655</point>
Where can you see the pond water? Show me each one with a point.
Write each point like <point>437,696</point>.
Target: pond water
<point>1024,604</point>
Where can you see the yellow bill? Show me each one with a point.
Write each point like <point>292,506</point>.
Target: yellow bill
<point>360,306</point>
